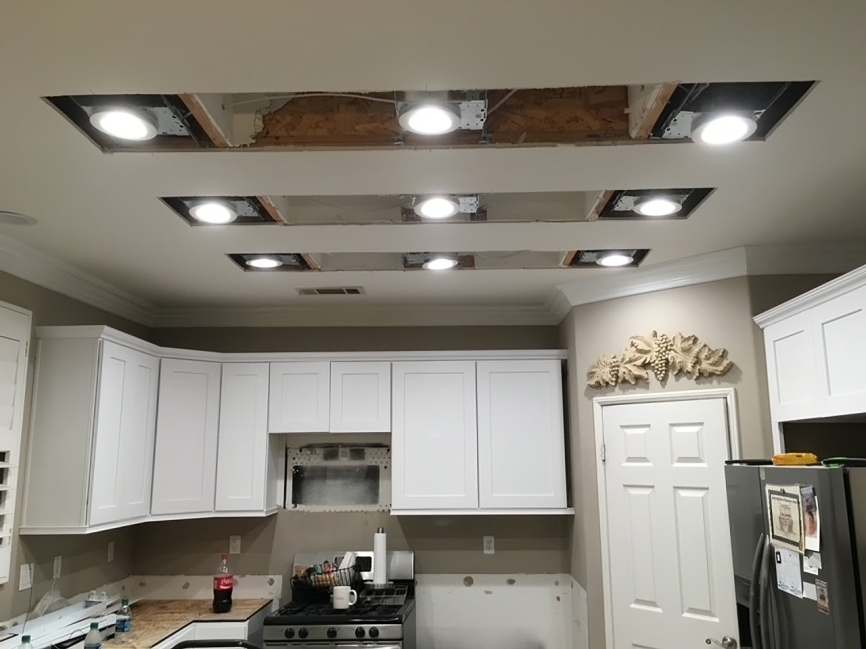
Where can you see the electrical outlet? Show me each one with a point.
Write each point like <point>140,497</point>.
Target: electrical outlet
<point>488,545</point>
<point>25,581</point>
<point>110,551</point>
<point>234,545</point>
<point>58,562</point>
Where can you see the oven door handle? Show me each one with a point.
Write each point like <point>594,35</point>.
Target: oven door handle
<point>206,644</point>
<point>331,644</point>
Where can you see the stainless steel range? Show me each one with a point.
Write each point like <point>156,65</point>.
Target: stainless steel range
<point>383,618</point>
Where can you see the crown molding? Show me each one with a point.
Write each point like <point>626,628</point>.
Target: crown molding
<point>824,293</point>
<point>711,267</point>
<point>45,271</point>
<point>358,315</point>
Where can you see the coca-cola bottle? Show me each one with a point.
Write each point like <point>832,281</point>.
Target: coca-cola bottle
<point>223,584</point>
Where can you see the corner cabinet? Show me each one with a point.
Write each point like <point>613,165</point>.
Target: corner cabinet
<point>92,436</point>
<point>814,362</point>
<point>184,467</point>
<point>248,468</point>
<point>434,441</point>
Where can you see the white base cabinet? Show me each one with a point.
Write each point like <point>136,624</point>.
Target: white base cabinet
<point>91,443</point>
<point>521,438</point>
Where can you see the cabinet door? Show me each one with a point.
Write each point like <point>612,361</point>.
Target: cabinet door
<point>360,397</point>
<point>299,397</point>
<point>242,453</point>
<point>184,469</point>
<point>434,449</point>
<point>838,326</point>
<point>792,368</point>
<point>521,439</point>
<point>120,483</point>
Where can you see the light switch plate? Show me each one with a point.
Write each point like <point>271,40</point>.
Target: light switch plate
<point>58,563</point>
<point>234,545</point>
<point>110,551</point>
<point>489,547</point>
<point>25,581</point>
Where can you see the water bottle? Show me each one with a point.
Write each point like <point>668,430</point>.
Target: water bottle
<point>123,623</point>
<point>93,639</point>
<point>25,642</point>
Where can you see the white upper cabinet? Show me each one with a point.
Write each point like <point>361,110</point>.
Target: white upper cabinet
<point>814,360</point>
<point>434,446</point>
<point>125,426</point>
<point>91,446</point>
<point>839,326</point>
<point>187,426</point>
<point>360,397</point>
<point>242,462</point>
<point>299,397</point>
<point>521,440</point>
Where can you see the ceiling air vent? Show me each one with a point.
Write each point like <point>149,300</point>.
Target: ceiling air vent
<point>337,290</point>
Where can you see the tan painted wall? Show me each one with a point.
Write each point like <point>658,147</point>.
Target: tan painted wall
<point>342,339</point>
<point>720,313</point>
<point>85,563</point>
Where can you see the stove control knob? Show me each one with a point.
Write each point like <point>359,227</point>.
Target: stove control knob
<point>290,633</point>
<point>303,633</point>
<point>374,632</point>
<point>332,632</point>
<point>359,632</point>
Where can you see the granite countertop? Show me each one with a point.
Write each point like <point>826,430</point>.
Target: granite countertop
<point>155,620</point>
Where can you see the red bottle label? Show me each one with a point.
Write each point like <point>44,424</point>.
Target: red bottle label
<point>223,582</point>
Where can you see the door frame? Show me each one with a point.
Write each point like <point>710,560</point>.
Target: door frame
<point>598,405</point>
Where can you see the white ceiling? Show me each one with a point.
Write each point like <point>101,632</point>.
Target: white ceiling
<point>100,213</point>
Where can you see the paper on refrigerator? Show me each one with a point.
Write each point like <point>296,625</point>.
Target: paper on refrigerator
<point>789,579</point>
<point>811,519</point>
<point>785,508</point>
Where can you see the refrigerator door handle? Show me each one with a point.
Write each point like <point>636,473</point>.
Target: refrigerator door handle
<point>763,585</point>
<point>754,595</point>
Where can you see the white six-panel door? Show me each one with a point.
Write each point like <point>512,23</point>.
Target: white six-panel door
<point>120,482</point>
<point>671,574</point>
<point>360,397</point>
<point>242,460</point>
<point>434,436</point>
<point>184,468</point>
<point>521,440</point>
<point>299,397</point>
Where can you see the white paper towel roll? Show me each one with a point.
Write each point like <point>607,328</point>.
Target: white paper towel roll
<point>380,557</point>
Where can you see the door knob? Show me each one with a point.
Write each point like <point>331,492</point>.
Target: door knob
<point>725,643</point>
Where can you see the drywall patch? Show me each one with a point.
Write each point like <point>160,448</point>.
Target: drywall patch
<point>579,615</point>
<point>532,613</point>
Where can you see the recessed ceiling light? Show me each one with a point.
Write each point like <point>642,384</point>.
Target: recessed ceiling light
<point>430,119</point>
<point>125,124</point>
<point>723,128</point>
<point>440,263</point>
<point>614,259</point>
<point>264,262</point>
<point>657,206</point>
<point>213,212</point>
<point>437,207</point>
<point>13,218</point>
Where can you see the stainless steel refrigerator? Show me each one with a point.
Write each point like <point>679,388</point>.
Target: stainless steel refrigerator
<point>771,618</point>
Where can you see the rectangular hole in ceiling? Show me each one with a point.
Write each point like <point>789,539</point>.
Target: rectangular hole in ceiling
<point>590,258</point>
<point>177,128</point>
<point>768,101</point>
<point>249,209</point>
<point>621,204</point>
<point>288,261</point>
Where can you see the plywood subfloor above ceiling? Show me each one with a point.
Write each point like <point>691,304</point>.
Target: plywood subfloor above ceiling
<point>537,116</point>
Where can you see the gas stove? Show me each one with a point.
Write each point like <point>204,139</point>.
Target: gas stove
<point>380,620</point>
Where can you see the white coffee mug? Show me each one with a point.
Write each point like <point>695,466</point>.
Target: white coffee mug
<point>344,597</point>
